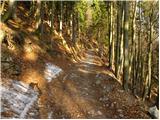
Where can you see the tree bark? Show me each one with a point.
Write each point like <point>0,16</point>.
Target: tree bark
<point>118,41</point>
<point>52,17</point>
<point>42,19</point>
<point>121,42</point>
<point>126,58</point>
<point>147,89</point>
<point>110,36</point>
<point>37,14</point>
<point>60,27</point>
<point>9,13</point>
<point>131,70</point>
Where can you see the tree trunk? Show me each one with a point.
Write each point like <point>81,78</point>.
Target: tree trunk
<point>126,60</point>
<point>60,27</point>
<point>148,80</point>
<point>139,67</point>
<point>132,45</point>
<point>2,7</point>
<point>121,42</point>
<point>110,36</point>
<point>37,14</point>
<point>71,24</point>
<point>42,19</point>
<point>150,59</point>
<point>52,17</point>
<point>113,42</point>
<point>73,28</point>
<point>118,41</point>
<point>9,13</point>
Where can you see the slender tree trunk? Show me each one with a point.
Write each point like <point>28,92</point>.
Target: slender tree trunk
<point>141,59</point>
<point>42,19</point>
<point>14,10</point>
<point>110,35</point>
<point>73,28</point>
<point>132,44</point>
<point>149,74</point>
<point>150,59</point>
<point>118,41</point>
<point>121,42</point>
<point>113,42</point>
<point>139,67</point>
<point>52,17</point>
<point>37,14</point>
<point>6,16</point>
<point>134,70</point>
<point>109,31</point>
<point>78,26</point>
<point>61,19</point>
<point>142,76</point>
<point>2,7</point>
<point>126,58</point>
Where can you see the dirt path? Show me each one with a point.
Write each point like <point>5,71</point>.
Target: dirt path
<point>86,91</point>
<point>72,94</point>
<point>81,90</point>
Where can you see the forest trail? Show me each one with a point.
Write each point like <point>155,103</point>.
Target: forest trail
<point>74,95</point>
<point>60,59</point>
<point>86,91</point>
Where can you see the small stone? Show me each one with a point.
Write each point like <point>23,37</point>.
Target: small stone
<point>9,59</point>
<point>106,99</point>
<point>5,65</point>
<point>112,105</point>
<point>114,102</point>
<point>31,114</point>
<point>120,110</point>
<point>97,75</point>
<point>86,88</point>
<point>121,115</point>
<point>121,91</point>
<point>115,116</point>
<point>98,82</point>
<point>78,115</point>
<point>99,112</point>
<point>91,112</point>
<point>107,105</point>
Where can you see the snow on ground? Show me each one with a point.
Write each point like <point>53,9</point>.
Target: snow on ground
<point>18,97</point>
<point>51,71</point>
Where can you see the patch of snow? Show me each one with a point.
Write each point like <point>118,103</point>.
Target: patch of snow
<point>19,98</point>
<point>20,86</point>
<point>154,112</point>
<point>27,107</point>
<point>1,109</point>
<point>51,71</point>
